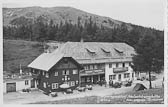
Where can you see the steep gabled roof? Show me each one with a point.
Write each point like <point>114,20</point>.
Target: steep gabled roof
<point>45,61</point>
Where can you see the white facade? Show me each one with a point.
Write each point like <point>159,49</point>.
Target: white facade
<point>22,84</point>
<point>118,76</point>
<point>4,88</point>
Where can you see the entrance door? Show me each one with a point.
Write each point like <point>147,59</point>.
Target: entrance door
<point>119,77</point>
<point>33,83</point>
<point>83,79</point>
<point>102,77</point>
<point>95,79</point>
<point>88,79</point>
<point>11,87</point>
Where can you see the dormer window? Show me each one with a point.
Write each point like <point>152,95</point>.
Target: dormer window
<point>106,51</point>
<point>120,52</point>
<point>91,51</point>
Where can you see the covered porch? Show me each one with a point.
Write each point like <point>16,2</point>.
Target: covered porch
<point>93,79</point>
<point>92,76</point>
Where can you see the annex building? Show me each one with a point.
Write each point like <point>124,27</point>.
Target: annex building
<point>83,62</point>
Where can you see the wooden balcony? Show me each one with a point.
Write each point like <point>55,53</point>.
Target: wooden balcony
<point>120,69</point>
<point>35,75</point>
<point>92,72</point>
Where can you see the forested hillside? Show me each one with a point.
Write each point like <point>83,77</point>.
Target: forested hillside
<point>25,28</point>
<point>39,31</point>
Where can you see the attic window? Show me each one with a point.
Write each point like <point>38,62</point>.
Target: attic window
<point>105,50</point>
<point>91,51</point>
<point>120,52</point>
<point>65,61</point>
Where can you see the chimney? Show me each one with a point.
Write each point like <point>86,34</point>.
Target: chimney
<point>44,47</point>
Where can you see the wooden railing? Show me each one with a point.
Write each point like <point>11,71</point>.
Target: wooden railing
<point>91,72</point>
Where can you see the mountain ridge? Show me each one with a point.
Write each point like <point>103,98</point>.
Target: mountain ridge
<point>59,14</point>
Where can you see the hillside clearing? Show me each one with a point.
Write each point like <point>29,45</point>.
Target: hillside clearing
<point>16,52</point>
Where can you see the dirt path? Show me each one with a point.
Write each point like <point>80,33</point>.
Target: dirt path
<point>36,96</point>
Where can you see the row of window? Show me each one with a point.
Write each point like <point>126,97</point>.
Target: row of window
<point>87,79</point>
<point>56,85</point>
<point>64,72</point>
<point>120,52</point>
<point>126,75</point>
<point>90,67</point>
<point>117,65</point>
<point>70,83</point>
<point>113,77</point>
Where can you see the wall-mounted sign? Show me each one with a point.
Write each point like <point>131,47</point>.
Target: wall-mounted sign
<point>122,69</point>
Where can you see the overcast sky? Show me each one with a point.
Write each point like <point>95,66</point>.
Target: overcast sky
<point>149,13</point>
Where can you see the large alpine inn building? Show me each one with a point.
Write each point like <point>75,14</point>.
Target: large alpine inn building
<point>74,63</point>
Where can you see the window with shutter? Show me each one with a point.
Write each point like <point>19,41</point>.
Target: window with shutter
<point>47,75</point>
<point>56,74</point>
<point>72,83</point>
<point>44,85</point>
<point>75,71</point>
<point>26,82</point>
<point>112,77</point>
<point>55,85</point>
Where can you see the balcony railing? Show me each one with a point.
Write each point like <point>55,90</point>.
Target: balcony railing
<point>92,72</point>
<point>121,69</point>
<point>35,75</point>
